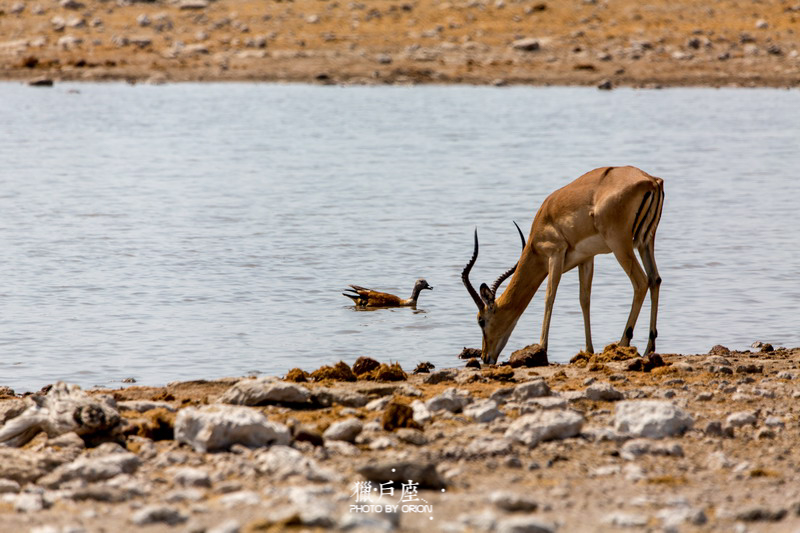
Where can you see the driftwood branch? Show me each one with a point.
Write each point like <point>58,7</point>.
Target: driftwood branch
<point>63,409</point>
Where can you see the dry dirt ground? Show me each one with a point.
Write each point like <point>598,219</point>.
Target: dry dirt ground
<point>733,467</point>
<point>576,42</point>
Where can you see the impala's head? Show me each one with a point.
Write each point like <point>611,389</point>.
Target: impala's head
<point>495,327</point>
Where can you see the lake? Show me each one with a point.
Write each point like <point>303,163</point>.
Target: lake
<point>191,231</point>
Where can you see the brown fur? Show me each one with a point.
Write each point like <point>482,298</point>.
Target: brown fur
<point>607,210</point>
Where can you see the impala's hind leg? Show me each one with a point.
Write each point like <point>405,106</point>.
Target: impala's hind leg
<point>647,253</point>
<point>623,251</point>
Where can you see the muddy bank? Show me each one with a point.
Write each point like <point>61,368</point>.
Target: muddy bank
<point>698,442</point>
<point>589,42</point>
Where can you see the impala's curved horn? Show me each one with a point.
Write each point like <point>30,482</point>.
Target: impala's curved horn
<point>465,276</point>
<point>507,273</point>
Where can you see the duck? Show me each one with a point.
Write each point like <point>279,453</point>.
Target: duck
<point>364,297</point>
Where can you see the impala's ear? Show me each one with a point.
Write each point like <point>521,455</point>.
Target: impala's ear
<point>487,295</point>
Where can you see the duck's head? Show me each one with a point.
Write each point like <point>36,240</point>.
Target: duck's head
<point>421,284</point>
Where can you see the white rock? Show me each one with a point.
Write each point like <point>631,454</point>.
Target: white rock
<point>154,514</point>
<point>486,445</point>
<point>313,505</point>
<point>411,436</point>
<point>532,389</point>
<point>68,42</point>
<point>633,472</point>
<point>91,469</point>
<point>741,418</point>
<point>653,419</point>
<point>366,522</point>
<point>528,45</point>
<point>637,447</point>
<point>603,392</point>
<point>774,421</point>
<point>421,412</point>
<point>524,524</point>
<point>346,430</point>
<point>502,395</point>
<point>545,425</point>
<point>452,400</point>
<point>381,443</point>
<point>673,518</point>
<point>265,390</point>
<point>229,526</point>
<point>340,447</point>
<point>193,4</point>
<point>71,4</point>
<point>58,23</point>
<point>621,519</point>
<point>240,498</point>
<point>191,477</point>
<point>483,411</point>
<point>547,402</point>
<point>283,462</point>
<point>184,495</point>
<point>513,501</point>
<point>607,470</point>
<point>29,502</point>
<point>602,434</point>
<point>217,427</point>
<point>142,406</point>
<point>379,404</point>
<point>484,521</point>
<point>718,461</point>
<point>9,486</point>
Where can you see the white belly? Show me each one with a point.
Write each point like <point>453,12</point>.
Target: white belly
<point>585,249</point>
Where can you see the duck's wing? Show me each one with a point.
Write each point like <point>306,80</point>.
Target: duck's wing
<point>358,299</point>
<point>370,298</point>
<point>359,289</point>
<point>383,299</point>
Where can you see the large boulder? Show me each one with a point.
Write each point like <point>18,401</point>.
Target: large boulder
<point>265,390</point>
<point>653,419</point>
<point>549,424</point>
<point>218,427</point>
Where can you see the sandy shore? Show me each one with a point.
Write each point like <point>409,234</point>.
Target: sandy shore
<point>696,443</point>
<point>583,42</point>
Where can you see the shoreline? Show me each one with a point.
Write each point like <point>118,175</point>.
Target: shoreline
<point>604,443</point>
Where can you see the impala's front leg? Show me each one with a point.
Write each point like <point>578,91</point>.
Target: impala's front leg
<point>585,273</point>
<point>554,268</point>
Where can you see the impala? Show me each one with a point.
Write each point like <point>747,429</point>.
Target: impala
<point>607,210</point>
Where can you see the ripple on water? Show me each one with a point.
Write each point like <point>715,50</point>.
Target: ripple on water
<point>174,250</point>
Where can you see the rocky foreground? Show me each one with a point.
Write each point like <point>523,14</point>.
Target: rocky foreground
<point>608,442</point>
<point>583,42</point>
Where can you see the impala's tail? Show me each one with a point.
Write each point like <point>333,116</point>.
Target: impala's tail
<point>649,213</point>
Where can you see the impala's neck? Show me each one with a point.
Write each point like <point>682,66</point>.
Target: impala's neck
<point>530,273</point>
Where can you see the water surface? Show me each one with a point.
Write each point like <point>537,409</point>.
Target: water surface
<point>197,231</point>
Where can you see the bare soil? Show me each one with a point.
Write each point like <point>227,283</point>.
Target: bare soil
<point>581,42</point>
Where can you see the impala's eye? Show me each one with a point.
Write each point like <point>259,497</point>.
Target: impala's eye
<point>481,322</point>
